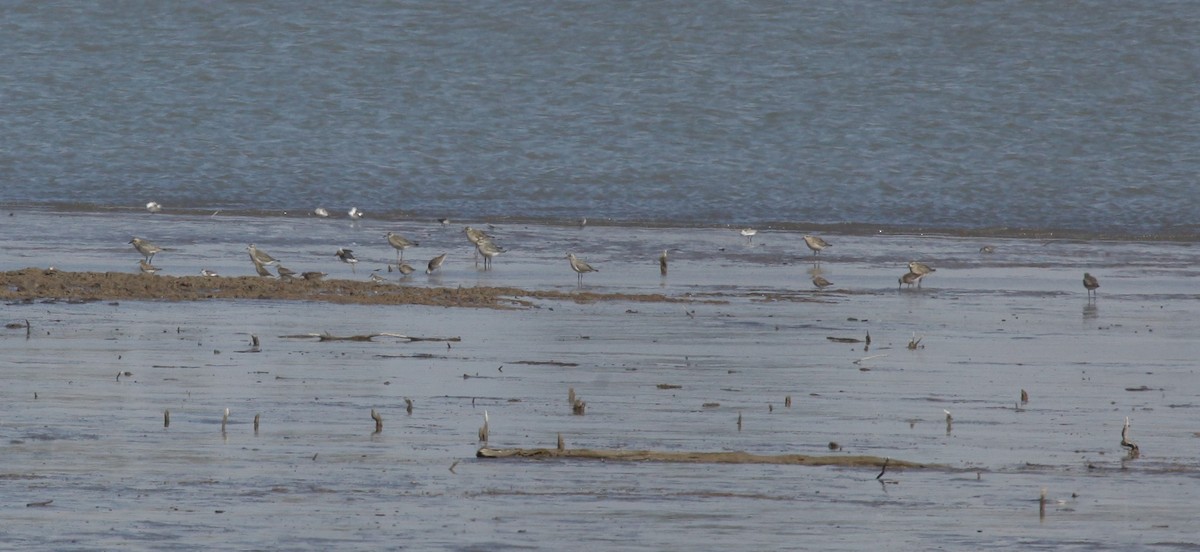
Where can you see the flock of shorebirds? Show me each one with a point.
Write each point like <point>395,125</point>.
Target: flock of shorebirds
<point>486,247</point>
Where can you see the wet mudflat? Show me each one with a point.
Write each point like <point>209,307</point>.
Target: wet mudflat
<point>656,375</point>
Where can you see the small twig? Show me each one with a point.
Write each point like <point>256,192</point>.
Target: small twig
<point>1125,442</point>
<point>378,420</point>
<point>884,470</point>
<point>861,360</point>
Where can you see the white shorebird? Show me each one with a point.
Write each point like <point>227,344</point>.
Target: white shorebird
<point>821,282</point>
<point>377,278</point>
<point>748,233</point>
<point>400,243</point>
<point>260,257</point>
<point>347,256</point>
<point>153,207</point>
<point>147,268</point>
<point>435,263</point>
<point>1090,283</point>
<point>816,244</point>
<point>488,249</point>
<point>320,212</point>
<point>209,273</point>
<point>146,248</point>
<point>579,266</point>
<point>355,214</point>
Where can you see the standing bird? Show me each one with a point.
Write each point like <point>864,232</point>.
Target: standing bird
<point>821,282</point>
<point>579,266</point>
<point>355,214</point>
<point>662,263</point>
<point>146,248</point>
<point>474,235</point>
<point>147,268</point>
<point>261,269</point>
<point>1090,283</point>
<point>816,244</point>
<point>488,249</point>
<point>910,278</point>
<point>260,257</point>
<point>400,243</point>
<point>406,269</point>
<point>920,269</point>
<point>321,212</point>
<point>435,263</point>
<point>347,256</point>
<point>749,233</point>
<point>153,207</point>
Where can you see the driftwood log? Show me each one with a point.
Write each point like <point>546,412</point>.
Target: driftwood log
<point>367,337</point>
<point>704,457</point>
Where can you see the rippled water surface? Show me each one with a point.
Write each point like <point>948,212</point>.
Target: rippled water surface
<point>938,115</point>
<point>315,476</point>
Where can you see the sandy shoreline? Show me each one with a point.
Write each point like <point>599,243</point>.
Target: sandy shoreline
<point>33,284</point>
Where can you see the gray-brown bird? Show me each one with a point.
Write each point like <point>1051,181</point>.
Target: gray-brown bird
<point>1090,283</point>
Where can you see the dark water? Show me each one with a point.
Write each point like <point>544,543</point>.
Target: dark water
<point>938,115</point>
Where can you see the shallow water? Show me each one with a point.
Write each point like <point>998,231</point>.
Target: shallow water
<point>316,477</point>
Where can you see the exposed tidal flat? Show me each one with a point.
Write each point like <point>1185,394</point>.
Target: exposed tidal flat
<point>731,332</point>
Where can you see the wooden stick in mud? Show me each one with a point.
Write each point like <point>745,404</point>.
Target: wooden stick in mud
<point>378,420</point>
<point>571,395</point>
<point>579,407</point>
<point>256,418</point>
<point>483,431</point>
<point>739,421</point>
<point>408,405</point>
<point>883,468</point>
<point>224,420</point>
<point>366,337</point>
<point>1042,505</point>
<point>787,401</point>
<point>561,445</point>
<point>167,418</point>
<point>704,457</point>
<point>1024,396</point>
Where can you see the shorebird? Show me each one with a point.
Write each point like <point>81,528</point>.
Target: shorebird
<point>749,233</point>
<point>920,269</point>
<point>579,266</point>
<point>347,256</point>
<point>444,221</point>
<point>377,278</point>
<point>1090,283</point>
<point>313,276</point>
<point>146,248</point>
<point>261,269</point>
<point>489,250</point>
<point>405,269</point>
<point>474,235</point>
<point>816,244</point>
<point>153,207</point>
<point>821,282</point>
<point>286,274</point>
<point>400,243</point>
<point>910,278</point>
<point>435,263</point>
<point>260,257</point>
<point>147,268</point>
<point>987,249</point>
<point>662,263</point>
<point>209,273</point>
<point>355,214</point>
<point>321,212</point>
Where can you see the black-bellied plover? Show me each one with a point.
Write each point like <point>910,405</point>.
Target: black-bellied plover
<point>816,244</point>
<point>146,248</point>
<point>260,257</point>
<point>580,266</point>
<point>921,270</point>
